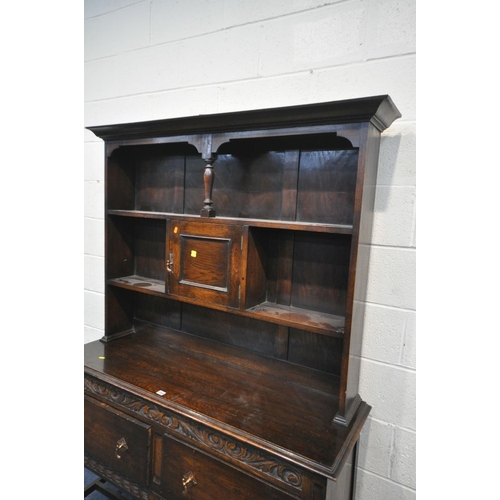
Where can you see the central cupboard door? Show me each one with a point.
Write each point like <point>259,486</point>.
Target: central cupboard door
<point>204,262</point>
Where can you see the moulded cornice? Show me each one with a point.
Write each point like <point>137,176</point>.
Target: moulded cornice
<point>378,110</point>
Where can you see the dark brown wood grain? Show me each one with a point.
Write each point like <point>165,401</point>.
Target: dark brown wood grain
<point>119,317</point>
<point>159,179</point>
<point>147,177</point>
<point>320,352</point>
<point>138,247</point>
<point>358,272</point>
<point>231,329</point>
<point>320,272</point>
<point>271,224</point>
<point>121,175</point>
<point>205,262</point>
<point>327,181</point>
<point>211,478</point>
<point>377,109</point>
<point>105,427</point>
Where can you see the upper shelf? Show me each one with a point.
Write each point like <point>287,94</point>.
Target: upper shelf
<point>378,110</point>
<point>304,179</point>
<point>271,224</point>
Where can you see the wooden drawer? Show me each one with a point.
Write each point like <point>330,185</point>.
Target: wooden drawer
<point>207,479</point>
<point>117,440</point>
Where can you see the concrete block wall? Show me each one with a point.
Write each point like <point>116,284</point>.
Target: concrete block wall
<point>152,59</point>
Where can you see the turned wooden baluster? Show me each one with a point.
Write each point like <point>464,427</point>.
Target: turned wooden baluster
<point>208,177</point>
<point>208,180</point>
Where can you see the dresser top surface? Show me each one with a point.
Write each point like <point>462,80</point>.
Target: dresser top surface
<point>287,407</point>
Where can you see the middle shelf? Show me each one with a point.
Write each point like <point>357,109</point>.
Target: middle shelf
<point>291,278</point>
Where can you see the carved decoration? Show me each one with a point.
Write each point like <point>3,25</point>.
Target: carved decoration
<point>213,440</point>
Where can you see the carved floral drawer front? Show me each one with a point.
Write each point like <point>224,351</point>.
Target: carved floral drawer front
<point>118,440</point>
<point>188,473</point>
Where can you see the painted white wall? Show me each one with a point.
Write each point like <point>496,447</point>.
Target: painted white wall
<point>155,59</point>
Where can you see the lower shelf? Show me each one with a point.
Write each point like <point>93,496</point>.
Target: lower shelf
<point>295,317</point>
<point>140,283</point>
<point>304,318</point>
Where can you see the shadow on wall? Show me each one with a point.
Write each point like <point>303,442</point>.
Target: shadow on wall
<point>388,159</point>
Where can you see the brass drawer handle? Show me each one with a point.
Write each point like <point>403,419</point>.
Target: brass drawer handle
<point>121,445</point>
<point>188,481</point>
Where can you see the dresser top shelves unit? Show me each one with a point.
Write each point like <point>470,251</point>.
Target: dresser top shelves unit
<point>235,286</point>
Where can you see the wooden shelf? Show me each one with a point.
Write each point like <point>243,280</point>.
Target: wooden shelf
<point>140,283</point>
<point>271,224</point>
<point>141,214</point>
<point>295,317</point>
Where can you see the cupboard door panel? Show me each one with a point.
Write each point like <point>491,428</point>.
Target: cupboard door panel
<point>204,262</point>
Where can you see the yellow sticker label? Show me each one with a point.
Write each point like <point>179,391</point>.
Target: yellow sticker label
<point>175,229</point>
<point>193,253</point>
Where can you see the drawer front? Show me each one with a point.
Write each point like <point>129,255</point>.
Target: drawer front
<point>190,474</point>
<point>118,440</point>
